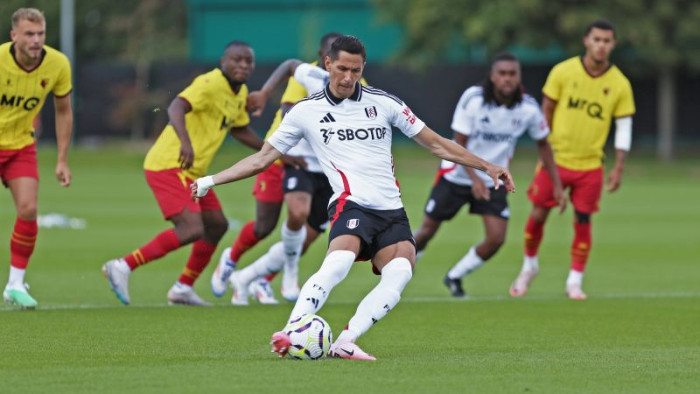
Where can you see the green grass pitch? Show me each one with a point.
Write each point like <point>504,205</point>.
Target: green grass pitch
<point>638,332</point>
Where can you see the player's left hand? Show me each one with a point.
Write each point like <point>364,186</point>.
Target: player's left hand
<point>501,173</point>
<point>614,179</point>
<point>256,102</point>
<point>63,174</point>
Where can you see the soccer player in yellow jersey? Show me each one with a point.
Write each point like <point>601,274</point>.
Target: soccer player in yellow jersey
<point>269,195</point>
<point>582,95</point>
<point>29,71</point>
<point>200,117</point>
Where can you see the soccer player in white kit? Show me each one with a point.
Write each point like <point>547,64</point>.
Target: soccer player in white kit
<point>488,121</point>
<point>367,216</point>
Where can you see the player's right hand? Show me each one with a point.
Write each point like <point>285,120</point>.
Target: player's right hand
<point>201,186</point>
<point>501,173</point>
<point>479,190</point>
<point>186,155</point>
<point>294,161</point>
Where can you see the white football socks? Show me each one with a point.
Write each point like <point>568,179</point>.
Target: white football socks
<point>531,264</point>
<point>270,262</point>
<point>575,277</point>
<point>470,262</point>
<point>16,280</point>
<point>383,298</point>
<point>293,241</point>
<point>315,291</point>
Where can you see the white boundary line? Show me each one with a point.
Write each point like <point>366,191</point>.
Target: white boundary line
<point>417,300</point>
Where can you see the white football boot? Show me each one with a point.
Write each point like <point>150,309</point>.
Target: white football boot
<point>181,294</point>
<point>222,272</point>
<point>263,292</point>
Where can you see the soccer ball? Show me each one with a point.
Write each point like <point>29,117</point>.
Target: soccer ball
<point>310,337</point>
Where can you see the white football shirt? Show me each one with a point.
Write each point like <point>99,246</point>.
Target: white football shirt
<point>493,131</point>
<point>352,141</point>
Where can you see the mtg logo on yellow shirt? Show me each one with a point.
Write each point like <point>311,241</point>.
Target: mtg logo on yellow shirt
<point>593,109</point>
<point>19,101</point>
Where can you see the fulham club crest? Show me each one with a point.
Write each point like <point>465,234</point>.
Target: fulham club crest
<point>353,223</point>
<point>371,112</point>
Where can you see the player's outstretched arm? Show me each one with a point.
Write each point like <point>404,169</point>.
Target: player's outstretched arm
<point>257,100</point>
<point>64,128</point>
<point>451,151</point>
<point>245,168</point>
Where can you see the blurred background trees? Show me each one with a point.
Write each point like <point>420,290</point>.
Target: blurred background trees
<point>655,37</point>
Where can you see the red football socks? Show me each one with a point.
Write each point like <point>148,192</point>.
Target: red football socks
<point>581,246</point>
<point>161,245</point>
<point>22,242</point>
<point>199,258</point>
<point>533,236</point>
<point>246,240</point>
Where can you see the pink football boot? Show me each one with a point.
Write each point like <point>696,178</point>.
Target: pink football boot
<point>349,351</point>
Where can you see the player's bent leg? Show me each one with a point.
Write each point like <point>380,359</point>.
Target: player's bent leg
<point>396,273</point>
<point>425,233</point>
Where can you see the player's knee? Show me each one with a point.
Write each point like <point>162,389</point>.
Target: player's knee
<point>539,214</point>
<point>337,264</point>
<point>297,217</point>
<point>27,210</point>
<point>583,217</point>
<point>217,229</point>
<point>190,231</point>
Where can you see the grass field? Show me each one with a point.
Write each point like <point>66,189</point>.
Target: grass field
<point>638,332</point>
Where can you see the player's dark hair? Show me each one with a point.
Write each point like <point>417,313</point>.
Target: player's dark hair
<point>328,37</point>
<point>349,44</point>
<point>489,91</point>
<point>601,24</point>
<point>236,43</point>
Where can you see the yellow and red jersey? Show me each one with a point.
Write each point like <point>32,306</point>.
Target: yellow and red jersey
<point>23,93</point>
<point>584,110</point>
<point>216,108</point>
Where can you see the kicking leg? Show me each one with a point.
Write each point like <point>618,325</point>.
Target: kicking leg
<point>395,262</point>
